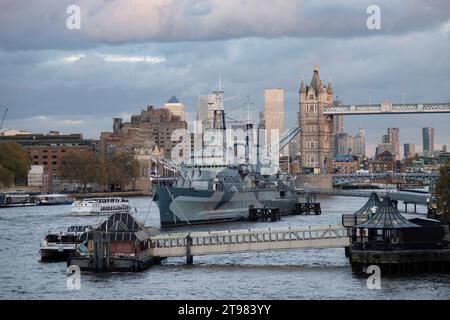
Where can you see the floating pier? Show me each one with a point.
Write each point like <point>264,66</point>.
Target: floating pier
<point>120,244</point>
<point>401,262</point>
<point>398,245</point>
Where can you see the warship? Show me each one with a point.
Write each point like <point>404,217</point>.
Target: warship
<point>215,191</point>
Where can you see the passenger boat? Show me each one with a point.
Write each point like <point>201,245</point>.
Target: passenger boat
<point>16,200</point>
<point>97,206</point>
<point>57,246</point>
<point>53,199</point>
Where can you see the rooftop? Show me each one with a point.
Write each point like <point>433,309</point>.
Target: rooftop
<point>387,217</point>
<point>371,206</point>
<point>173,100</point>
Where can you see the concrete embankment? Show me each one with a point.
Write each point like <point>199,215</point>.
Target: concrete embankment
<point>123,194</point>
<point>323,181</point>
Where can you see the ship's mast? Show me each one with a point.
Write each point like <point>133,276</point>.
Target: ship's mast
<point>219,116</point>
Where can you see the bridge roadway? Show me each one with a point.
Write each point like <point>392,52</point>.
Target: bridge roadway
<point>251,240</point>
<point>341,179</point>
<point>404,196</point>
<point>388,108</point>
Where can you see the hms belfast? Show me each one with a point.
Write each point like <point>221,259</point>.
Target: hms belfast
<point>209,189</point>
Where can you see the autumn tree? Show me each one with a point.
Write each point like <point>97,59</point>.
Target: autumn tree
<point>88,168</point>
<point>122,170</point>
<point>14,164</point>
<point>443,192</point>
<point>84,168</point>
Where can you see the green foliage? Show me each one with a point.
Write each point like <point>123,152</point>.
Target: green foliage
<point>443,192</point>
<point>14,164</point>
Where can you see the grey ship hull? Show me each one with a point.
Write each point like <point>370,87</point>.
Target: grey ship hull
<point>182,206</point>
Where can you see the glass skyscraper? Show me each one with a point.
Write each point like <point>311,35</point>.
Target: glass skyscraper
<point>428,141</point>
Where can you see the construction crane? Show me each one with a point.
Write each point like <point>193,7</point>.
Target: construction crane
<point>3,119</point>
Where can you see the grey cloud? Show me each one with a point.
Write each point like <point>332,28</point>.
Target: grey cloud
<point>41,24</point>
<point>31,84</point>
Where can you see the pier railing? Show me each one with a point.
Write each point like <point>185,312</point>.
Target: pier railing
<point>217,242</point>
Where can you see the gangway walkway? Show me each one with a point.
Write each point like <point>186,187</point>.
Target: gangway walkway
<point>251,240</point>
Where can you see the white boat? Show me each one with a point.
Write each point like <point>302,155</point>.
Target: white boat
<point>57,246</point>
<point>53,199</point>
<point>16,200</point>
<point>97,206</point>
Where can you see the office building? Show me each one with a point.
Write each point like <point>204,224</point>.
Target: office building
<point>409,150</point>
<point>428,141</point>
<point>274,113</point>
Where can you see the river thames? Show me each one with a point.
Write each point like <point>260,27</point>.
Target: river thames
<point>296,274</point>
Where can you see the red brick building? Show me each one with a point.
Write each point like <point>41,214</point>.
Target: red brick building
<point>47,150</point>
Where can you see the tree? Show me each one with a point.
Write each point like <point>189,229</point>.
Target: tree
<point>443,192</point>
<point>122,170</point>
<point>6,177</point>
<point>84,168</point>
<point>14,164</point>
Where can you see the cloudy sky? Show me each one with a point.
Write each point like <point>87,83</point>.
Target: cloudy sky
<point>133,53</point>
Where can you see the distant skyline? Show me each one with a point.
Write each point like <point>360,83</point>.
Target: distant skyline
<point>126,56</point>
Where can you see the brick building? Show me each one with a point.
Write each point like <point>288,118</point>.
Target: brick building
<point>46,150</point>
<point>346,164</point>
<point>147,136</point>
<point>153,127</point>
<point>384,162</point>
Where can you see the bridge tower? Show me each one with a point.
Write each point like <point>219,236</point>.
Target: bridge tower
<point>315,142</point>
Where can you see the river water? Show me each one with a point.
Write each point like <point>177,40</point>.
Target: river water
<point>296,274</point>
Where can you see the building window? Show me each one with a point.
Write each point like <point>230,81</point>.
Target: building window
<point>54,163</point>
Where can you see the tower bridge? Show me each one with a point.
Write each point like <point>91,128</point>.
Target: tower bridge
<point>387,108</point>
<point>316,120</point>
